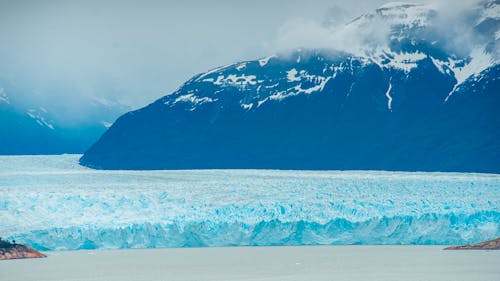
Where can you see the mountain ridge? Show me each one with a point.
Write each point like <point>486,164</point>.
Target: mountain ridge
<point>31,126</point>
<point>398,106</point>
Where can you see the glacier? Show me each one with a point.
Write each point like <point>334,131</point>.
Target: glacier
<point>52,203</point>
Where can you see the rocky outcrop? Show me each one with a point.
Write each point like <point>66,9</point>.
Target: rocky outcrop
<point>19,252</point>
<point>487,245</point>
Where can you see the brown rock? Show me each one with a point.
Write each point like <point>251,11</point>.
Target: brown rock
<point>19,252</point>
<point>487,245</point>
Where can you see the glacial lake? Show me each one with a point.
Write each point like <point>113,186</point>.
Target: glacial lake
<point>318,263</point>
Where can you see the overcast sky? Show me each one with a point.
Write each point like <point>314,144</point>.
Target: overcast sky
<point>137,51</point>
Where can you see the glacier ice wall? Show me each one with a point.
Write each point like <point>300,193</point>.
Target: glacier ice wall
<point>52,203</point>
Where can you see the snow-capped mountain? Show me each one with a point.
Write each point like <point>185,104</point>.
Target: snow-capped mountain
<point>27,127</point>
<point>407,102</point>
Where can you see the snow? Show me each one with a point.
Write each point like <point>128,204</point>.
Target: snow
<point>389,98</point>
<point>236,80</point>
<point>53,202</point>
<point>440,65</point>
<point>102,101</point>
<point>394,16</point>
<point>404,61</point>
<point>3,96</point>
<point>247,106</point>
<point>479,61</point>
<point>392,5</point>
<point>241,66</point>
<point>217,69</point>
<point>463,70</point>
<point>319,87</point>
<point>291,75</point>
<point>294,76</point>
<point>261,102</point>
<point>107,124</point>
<point>264,61</point>
<point>492,11</point>
<point>39,118</point>
<point>280,95</point>
<point>271,86</point>
<point>405,14</point>
<point>191,98</point>
<point>264,86</point>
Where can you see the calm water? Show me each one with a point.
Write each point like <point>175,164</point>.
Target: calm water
<point>385,263</point>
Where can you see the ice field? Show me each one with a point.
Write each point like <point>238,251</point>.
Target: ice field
<point>52,203</point>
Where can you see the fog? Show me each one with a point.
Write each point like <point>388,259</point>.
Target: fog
<point>134,52</point>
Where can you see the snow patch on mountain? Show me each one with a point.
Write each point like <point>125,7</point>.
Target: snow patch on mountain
<point>478,61</point>
<point>441,66</point>
<point>106,124</point>
<point>403,61</point>
<point>234,80</point>
<point>404,22</point>
<point>37,115</point>
<point>3,96</point>
<point>264,61</point>
<point>247,106</point>
<point>190,99</point>
<point>241,66</point>
<point>291,75</point>
<point>406,14</point>
<point>215,70</point>
<point>389,98</point>
<point>491,11</point>
<point>303,76</point>
<point>396,15</point>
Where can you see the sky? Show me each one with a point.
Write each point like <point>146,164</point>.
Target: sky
<point>137,51</point>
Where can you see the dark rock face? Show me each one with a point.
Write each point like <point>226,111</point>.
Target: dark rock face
<point>346,124</point>
<point>411,107</point>
<point>487,245</point>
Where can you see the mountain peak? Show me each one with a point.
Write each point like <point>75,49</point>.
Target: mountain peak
<point>399,14</point>
<point>398,5</point>
<point>387,106</point>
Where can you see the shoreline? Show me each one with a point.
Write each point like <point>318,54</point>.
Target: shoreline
<point>441,246</point>
<point>18,251</point>
<point>493,244</point>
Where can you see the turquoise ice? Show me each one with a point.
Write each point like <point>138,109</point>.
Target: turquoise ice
<point>52,203</point>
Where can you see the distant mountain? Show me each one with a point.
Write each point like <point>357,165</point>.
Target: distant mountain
<point>30,128</point>
<point>413,104</point>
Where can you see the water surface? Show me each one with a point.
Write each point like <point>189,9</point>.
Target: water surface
<point>350,263</point>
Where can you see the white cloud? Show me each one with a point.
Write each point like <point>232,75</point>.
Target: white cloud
<point>451,26</point>
<point>347,38</point>
<point>136,51</point>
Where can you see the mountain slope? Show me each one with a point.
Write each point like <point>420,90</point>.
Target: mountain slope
<point>27,127</point>
<point>408,105</point>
